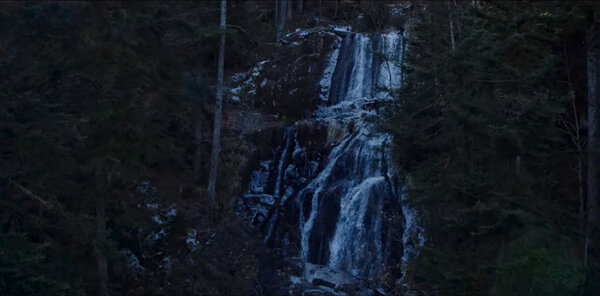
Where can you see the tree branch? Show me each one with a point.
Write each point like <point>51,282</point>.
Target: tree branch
<point>47,204</point>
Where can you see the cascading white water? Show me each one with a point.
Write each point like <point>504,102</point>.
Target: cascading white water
<point>359,85</point>
<point>339,202</point>
<point>316,186</point>
<point>367,64</point>
<point>348,246</point>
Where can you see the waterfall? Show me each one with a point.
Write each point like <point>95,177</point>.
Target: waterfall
<point>330,213</point>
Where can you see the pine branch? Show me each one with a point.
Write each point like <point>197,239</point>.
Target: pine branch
<point>47,204</point>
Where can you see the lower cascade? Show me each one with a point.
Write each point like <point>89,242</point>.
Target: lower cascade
<point>320,198</point>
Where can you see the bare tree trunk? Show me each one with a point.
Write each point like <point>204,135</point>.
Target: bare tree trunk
<point>451,25</point>
<point>216,144</point>
<point>576,136</point>
<point>300,5</point>
<point>282,17</point>
<point>593,128</point>
<point>100,245</point>
<point>276,13</point>
<point>580,160</point>
<point>198,143</point>
<point>289,9</point>
<point>575,133</point>
<point>336,9</point>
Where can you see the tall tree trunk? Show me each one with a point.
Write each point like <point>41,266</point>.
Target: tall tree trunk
<point>300,6</point>
<point>576,137</point>
<point>100,245</point>
<point>277,14</point>
<point>282,17</point>
<point>593,128</point>
<point>289,9</point>
<point>198,143</point>
<point>216,143</point>
<point>451,25</point>
<point>575,134</point>
<point>336,9</point>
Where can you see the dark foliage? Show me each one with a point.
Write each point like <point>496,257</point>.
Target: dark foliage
<point>485,132</point>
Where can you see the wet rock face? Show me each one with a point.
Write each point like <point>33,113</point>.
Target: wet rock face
<point>284,160</point>
<point>284,85</point>
<point>320,185</point>
<point>325,224</point>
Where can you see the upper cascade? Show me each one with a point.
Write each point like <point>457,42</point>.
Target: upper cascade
<point>366,67</point>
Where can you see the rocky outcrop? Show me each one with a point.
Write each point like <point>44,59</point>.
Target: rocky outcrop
<point>284,85</point>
